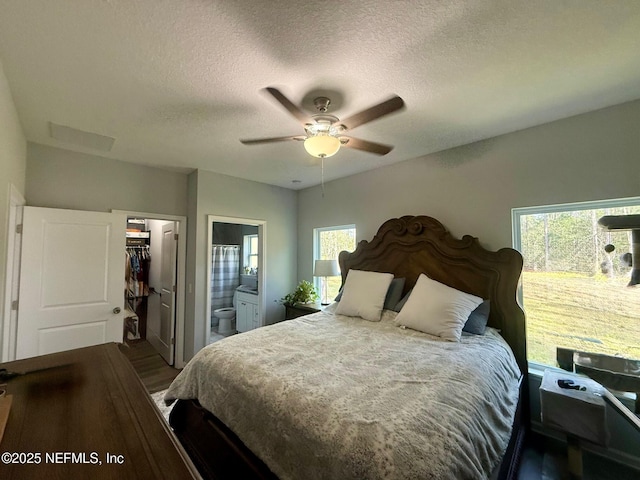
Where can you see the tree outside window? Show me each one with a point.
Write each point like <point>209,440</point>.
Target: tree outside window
<point>574,291</point>
<point>250,253</point>
<point>328,243</point>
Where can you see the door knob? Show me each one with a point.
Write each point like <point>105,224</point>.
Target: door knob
<point>117,310</point>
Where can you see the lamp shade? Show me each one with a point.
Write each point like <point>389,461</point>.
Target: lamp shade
<point>322,145</point>
<point>326,268</point>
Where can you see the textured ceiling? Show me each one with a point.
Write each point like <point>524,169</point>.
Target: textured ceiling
<point>178,82</point>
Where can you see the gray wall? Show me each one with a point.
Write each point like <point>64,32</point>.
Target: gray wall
<point>58,178</point>
<point>472,189</point>
<point>194,271</point>
<point>227,233</point>
<point>13,163</point>
<point>233,197</point>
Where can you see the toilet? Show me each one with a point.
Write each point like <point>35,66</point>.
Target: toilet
<point>226,317</point>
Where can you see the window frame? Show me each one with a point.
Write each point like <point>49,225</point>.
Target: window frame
<point>247,250</point>
<point>516,238</point>
<point>317,281</point>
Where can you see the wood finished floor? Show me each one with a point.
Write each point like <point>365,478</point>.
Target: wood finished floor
<point>546,459</point>
<point>154,372</point>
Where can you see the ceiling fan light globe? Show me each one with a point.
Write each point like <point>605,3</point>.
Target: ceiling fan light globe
<point>322,146</point>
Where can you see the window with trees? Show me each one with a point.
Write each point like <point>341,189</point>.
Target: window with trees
<point>574,290</point>
<point>328,243</point>
<point>250,249</point>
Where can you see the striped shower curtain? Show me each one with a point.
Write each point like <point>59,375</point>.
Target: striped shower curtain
<point>225,275</point>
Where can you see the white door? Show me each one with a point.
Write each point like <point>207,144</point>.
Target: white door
<point>71,281</point>
<point>164,339</point>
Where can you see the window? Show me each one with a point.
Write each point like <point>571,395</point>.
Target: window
<point>328,243</point>
<point>574,291</point>
<point>250,253</point>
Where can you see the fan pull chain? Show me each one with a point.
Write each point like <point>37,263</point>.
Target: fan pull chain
<point>322,173</point>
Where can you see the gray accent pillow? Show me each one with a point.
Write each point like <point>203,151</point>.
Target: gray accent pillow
<point>477,321</point>
<point>401,303</point>
<point>339,296</point>
<point>393,294</point>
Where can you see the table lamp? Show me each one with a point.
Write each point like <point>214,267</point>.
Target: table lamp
<point>326,268</point>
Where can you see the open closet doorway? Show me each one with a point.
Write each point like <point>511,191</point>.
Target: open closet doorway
<point>154,283</point>
<point>235,276</point>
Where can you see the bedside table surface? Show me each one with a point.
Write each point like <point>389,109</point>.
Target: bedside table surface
<point>294,311</point>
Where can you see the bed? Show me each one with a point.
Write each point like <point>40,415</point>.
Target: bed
<point>334,396</point>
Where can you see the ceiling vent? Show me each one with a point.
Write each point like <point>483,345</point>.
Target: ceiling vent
<point>81,138</point>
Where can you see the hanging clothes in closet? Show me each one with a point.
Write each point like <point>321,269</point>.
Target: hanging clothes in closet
<point>138,265</point>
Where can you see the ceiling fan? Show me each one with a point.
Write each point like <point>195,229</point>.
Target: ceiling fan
<point>325,133</point>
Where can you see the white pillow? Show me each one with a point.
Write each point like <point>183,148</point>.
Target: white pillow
<point>437,309</point>
<point>363,294</point>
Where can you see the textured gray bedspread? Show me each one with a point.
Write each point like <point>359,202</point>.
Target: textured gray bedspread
<point>332,397</point>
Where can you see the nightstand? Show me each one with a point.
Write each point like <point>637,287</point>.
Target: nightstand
<point>293,311</point>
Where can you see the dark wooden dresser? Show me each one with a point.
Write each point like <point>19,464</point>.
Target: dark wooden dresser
<point>85,414</point>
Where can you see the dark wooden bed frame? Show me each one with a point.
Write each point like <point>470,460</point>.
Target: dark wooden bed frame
<point>406,247</point>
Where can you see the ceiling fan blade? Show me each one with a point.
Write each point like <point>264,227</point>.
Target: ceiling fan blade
<point>365,145</point>
<point>293,109</point>
<point>373,113</point>
<point>272,140</point>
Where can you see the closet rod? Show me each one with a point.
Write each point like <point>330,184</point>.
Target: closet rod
<point>219,245</point>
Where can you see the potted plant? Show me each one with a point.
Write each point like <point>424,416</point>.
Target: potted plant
<point>305,292</point>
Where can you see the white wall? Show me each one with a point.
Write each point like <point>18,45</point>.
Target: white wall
<point>13,162</point>
<point>58,178</point>
<point>472,189</point>
<point>234,197</point>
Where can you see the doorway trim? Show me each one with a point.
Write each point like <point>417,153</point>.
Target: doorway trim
<point>12,274</point>
<point>181,228</point>
<point>262,264</point>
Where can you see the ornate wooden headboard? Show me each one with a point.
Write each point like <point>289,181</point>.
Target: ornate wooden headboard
<point>409,246</point>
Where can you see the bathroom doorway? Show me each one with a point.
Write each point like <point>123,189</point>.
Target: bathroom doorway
<point>235,276</point>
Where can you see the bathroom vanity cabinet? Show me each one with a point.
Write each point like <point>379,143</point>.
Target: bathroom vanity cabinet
<point>247,312</point>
